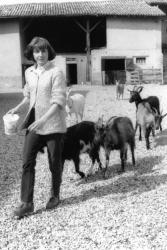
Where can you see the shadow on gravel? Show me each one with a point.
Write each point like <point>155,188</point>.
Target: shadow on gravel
<point>161,138</point>
<point>144,165</point>
<point>139,181</point>
<point>135,185</point>
<point>122,186</point>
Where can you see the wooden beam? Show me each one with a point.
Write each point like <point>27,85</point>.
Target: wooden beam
<point>88,30</point>
<point>94,27</point>
<point>80,25</point>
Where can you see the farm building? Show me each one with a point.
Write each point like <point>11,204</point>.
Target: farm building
<point>163,6</point>
<point>96,42</point>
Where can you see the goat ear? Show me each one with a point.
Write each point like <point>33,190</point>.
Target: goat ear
<point>99,123</point>
<point>154,110</point>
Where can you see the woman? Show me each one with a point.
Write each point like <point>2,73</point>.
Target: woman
<point>45,93</point>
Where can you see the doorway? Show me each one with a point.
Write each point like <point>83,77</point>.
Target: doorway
<point>71,73</point>
<point>113,69</point>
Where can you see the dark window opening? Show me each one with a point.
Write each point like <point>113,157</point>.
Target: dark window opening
<point>113,64</point>
<point>114,69</point>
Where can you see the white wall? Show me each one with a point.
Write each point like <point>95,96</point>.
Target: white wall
<point>133,34</point>
<point>130,38</point>
<point>10,55</point>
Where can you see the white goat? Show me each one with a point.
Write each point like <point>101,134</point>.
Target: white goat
<point>119,89</point>
<point>75,104</point>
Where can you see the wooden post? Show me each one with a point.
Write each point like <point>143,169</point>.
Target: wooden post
<point>88,50</point>
<point>88,30</point>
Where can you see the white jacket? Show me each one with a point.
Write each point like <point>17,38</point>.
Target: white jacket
<point>43,90</point>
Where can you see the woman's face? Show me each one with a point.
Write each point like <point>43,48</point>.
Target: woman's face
<point>40,56</point>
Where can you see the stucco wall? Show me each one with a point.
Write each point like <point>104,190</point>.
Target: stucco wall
<point>130,38</point>
<point>10,55</point>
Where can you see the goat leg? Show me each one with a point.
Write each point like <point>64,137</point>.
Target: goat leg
<point>76,162</point>
<point>153,131</point>
<point>106,165</point>
<point>133,155</point>
<point>140,137</point>
<point>136,126</point>
<point>160,126</point>
<point>123,156</point>
<point>147,134</point>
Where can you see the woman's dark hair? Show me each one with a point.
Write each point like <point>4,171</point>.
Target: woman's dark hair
<point>41,44</point>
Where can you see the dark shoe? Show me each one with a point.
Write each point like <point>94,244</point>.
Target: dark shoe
<point>24,209</point>
<point>52,203</point>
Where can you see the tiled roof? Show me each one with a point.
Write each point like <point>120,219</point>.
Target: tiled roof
<point>93,8</point>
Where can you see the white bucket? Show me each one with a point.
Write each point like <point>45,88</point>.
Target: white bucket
<point>10,123</point>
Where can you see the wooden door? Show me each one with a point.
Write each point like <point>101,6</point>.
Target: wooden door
<point>81,68</point>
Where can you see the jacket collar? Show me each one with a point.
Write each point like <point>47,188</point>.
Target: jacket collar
<point>43,68</point>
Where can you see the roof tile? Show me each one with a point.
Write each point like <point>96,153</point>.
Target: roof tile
<point>93,8</point>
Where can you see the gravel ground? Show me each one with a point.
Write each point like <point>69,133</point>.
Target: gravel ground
<point>125,211</point>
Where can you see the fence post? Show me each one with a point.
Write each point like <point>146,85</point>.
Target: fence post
<point>162,75</point>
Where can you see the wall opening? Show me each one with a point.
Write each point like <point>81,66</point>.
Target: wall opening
<point>71,74</point>
<point>113,69</point>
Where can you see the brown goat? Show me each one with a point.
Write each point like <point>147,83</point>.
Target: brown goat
<point>117,134</point>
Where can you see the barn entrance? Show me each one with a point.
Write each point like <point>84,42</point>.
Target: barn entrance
<point>113,69</point>
<point>68,36</point>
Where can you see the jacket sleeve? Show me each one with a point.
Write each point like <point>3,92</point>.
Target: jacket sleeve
<point>58,92</point>
<point>26,89</point>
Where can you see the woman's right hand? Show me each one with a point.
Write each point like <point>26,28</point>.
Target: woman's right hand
<point>13,111</point>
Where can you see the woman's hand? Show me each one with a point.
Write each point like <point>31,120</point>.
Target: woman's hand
<point>36,125</point>
<point>13,111</point>
<point>19,107</point>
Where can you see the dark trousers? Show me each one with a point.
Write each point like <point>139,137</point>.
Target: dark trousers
<point>33,143</point>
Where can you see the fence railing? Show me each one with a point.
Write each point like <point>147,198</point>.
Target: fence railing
<point>145,76</point>
<point>141,76</point>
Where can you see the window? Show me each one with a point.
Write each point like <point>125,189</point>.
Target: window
<point>140,60</point>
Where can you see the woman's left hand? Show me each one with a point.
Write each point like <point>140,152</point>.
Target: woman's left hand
<point>36,125</point>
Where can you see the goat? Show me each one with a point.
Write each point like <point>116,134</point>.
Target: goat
<point>154,105</point>
<point>119,89</point>
<point>117,134</point>
<point>152,100</point>
<point>75,104</point>
<point>148,119</point>
<point>78,139</point>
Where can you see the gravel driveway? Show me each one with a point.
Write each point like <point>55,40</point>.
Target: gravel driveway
<point>125,211</point>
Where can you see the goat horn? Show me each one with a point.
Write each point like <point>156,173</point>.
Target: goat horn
<point>134,88</point>
<point>164,115</point>
<point>139,89</point>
